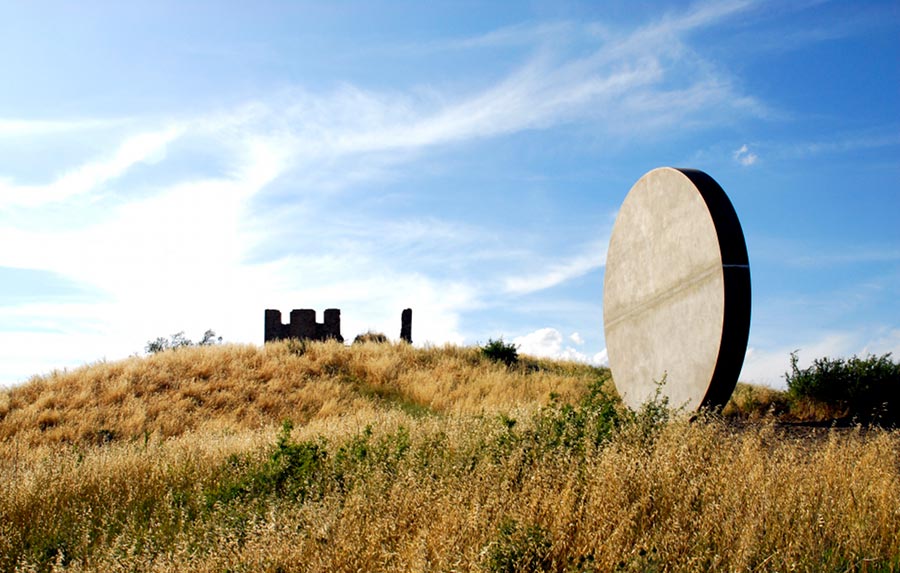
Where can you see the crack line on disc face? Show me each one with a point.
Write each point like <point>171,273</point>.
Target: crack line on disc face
<point>649,303</point>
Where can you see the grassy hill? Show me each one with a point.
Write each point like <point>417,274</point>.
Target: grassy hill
<point>404,459</point>
<point>235,388</point>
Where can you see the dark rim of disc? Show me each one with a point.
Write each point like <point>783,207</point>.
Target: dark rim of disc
<point>736,271</point>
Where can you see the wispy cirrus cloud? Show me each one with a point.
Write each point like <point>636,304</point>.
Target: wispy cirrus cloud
<point>820,26</point>
<point>630,83</point>
<point>557,273</point>
<point>11,127</point>
<point>523,34</point>
<point>837,144</point>
<point>147,147</point>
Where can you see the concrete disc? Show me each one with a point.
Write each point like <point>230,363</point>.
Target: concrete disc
<point>676,294</point>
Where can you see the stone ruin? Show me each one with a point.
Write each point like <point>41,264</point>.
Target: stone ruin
<point>303,325</point>
<point>406,325</point>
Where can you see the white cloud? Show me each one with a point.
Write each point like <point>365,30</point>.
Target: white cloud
<point>558,273</point>
<point>887,340</point>
<point>548,343</point>
<point>840,143</point>
<point>705,13</point>
<point>371,298</point>
<point>515,35</point>
<point>744,156</point>
<point>148,147</point>
<point>576,338</point>
<point>175,260</point>
<point>33,349</point>
<point>17,128</point>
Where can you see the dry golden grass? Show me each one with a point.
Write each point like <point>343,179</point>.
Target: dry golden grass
<point>756,402</point>
<point>417,460</point>
<point>752,402</point>
<point>246,387</point>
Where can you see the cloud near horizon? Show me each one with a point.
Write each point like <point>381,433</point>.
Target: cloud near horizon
<point>550,343</point>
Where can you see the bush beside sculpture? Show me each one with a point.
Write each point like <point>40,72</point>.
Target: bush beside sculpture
<point>865,389</point>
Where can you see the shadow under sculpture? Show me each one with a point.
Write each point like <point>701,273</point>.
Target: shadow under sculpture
<point>676,299</point>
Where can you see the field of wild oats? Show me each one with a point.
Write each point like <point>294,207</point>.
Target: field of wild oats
<point>403,459</point>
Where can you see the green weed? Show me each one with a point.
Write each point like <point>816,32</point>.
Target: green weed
<point>519,549</point>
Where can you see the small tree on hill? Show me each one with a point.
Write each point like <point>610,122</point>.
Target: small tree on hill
<point>500,351</point>
<point>178,340</point>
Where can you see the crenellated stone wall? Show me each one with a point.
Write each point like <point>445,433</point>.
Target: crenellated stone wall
<point>303,325</point>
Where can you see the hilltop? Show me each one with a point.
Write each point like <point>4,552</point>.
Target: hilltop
<point>245,387</point>
<point>236,387</point>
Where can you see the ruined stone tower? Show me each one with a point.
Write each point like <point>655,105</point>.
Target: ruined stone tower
<point>406,325</point>
<point>303,325</point>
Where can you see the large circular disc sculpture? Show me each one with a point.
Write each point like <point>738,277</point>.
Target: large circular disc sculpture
<point>676,295</point>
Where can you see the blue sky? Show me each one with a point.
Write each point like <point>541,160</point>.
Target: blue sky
<point>179,166</point>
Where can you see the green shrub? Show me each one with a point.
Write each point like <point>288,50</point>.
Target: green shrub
<point>519,549</point>
<point>593,420</point>
<point>291,471</point>
<point>868,389</point>
<point>653,414</point>
<point>293,466</point>
<point>500,351</point>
